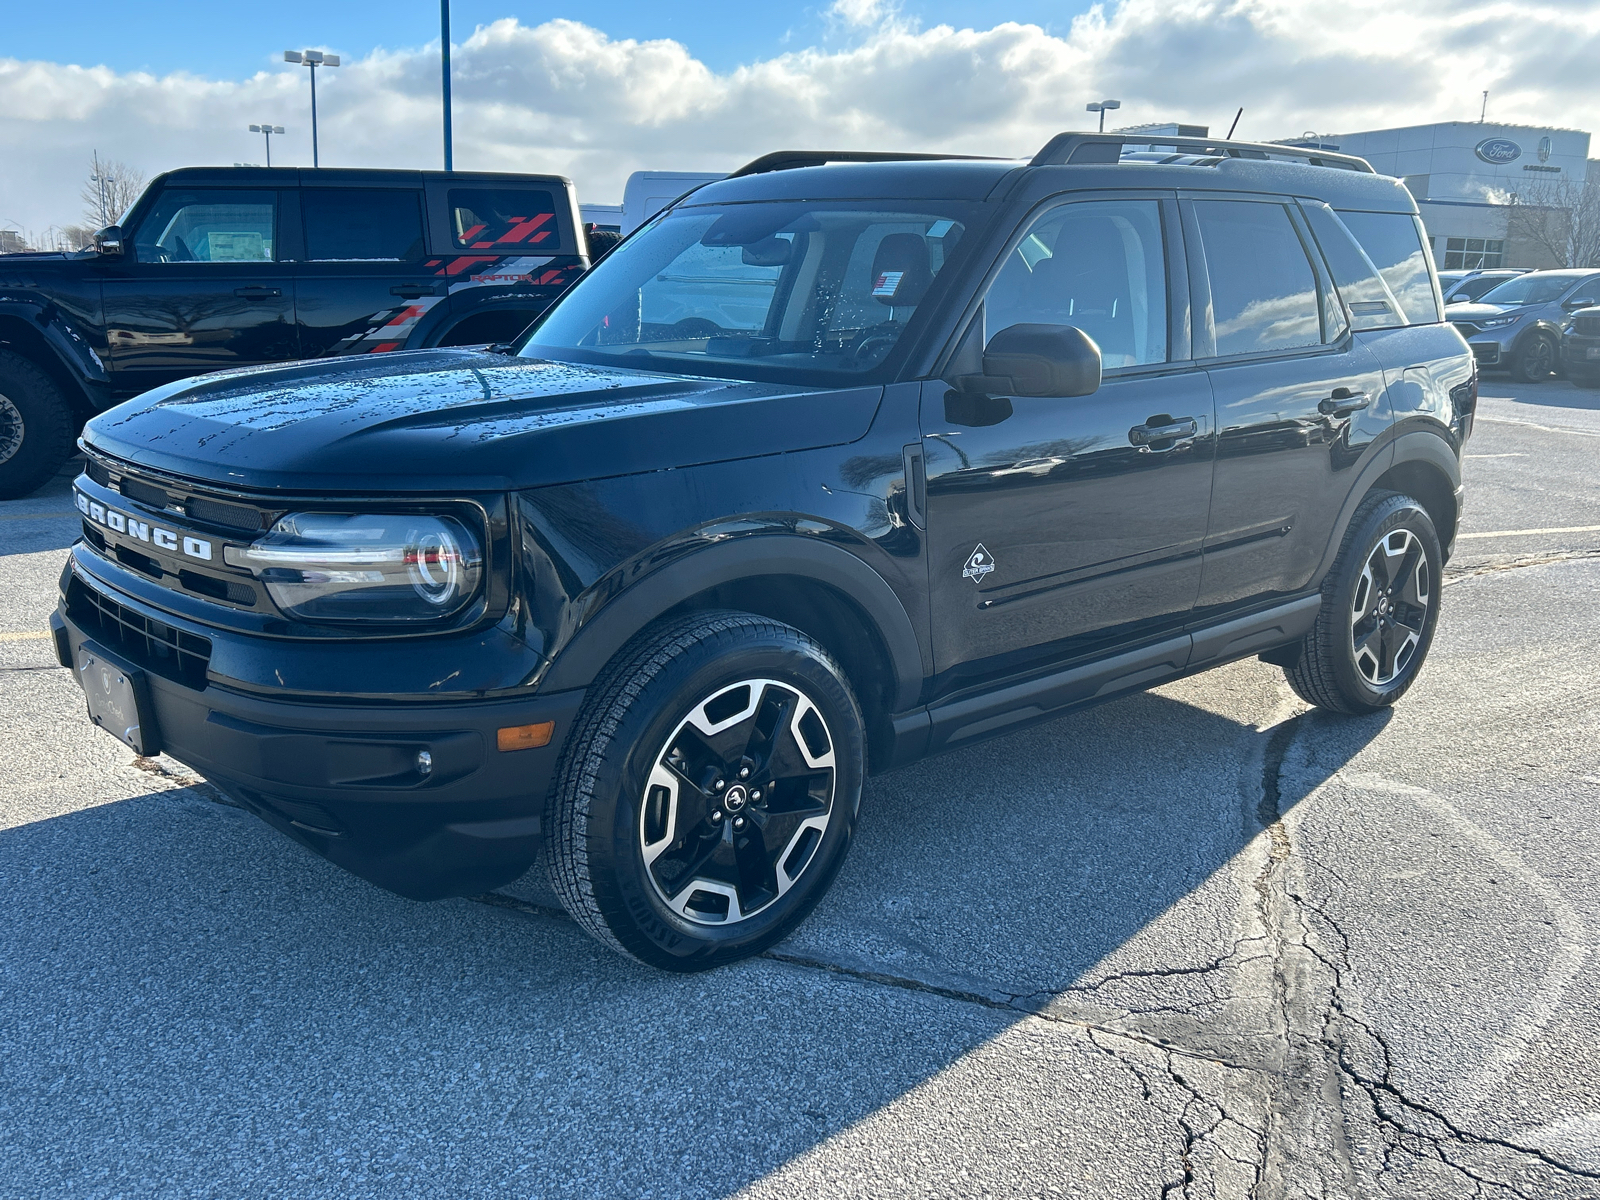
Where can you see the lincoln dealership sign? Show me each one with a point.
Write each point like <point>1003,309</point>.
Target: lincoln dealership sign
<point>1498,150</point>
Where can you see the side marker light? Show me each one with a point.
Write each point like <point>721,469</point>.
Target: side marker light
<point>526,737</point>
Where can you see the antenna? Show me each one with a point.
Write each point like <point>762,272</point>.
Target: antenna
<point>1235,124</point>
<point>1484,111</point>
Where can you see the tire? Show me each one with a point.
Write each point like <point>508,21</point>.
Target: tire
<point>1584,379</point>
<point>688,877</point>
<point>36,426</point>
<point>1535,362</point>
<point>1382,595</point>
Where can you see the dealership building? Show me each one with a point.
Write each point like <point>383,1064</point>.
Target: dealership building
<point>1467,175</point>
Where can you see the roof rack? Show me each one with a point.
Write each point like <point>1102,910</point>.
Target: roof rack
<point>1078,149</point>
<point>789,160</point>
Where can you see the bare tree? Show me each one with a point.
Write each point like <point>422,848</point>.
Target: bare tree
<point>110,191</point>
<point>1562,217</point>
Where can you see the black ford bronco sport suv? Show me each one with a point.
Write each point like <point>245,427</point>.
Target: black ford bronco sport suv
<point>239,267</point>
<point>832,465</point>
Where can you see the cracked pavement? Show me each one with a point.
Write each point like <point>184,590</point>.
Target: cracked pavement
<point>1200,942</point>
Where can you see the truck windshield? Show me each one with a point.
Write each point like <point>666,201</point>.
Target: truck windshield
<point>798,292</point>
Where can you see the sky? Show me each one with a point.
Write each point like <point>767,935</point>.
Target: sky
<point>597,90</point>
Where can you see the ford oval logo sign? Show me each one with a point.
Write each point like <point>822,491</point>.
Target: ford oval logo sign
<point>1498,151</point>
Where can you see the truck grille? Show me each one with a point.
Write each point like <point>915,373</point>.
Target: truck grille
<point>154,645</point>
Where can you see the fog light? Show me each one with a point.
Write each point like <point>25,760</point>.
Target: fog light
<point>526,737</point>
<point>424,763</point>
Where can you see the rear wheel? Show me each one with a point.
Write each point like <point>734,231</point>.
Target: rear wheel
<point>708,793</point>
<point>1380,604</point>
<point>1535,361</point>
<point>36,426</point>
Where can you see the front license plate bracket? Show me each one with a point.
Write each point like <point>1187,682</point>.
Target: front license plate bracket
<point>118,698</point>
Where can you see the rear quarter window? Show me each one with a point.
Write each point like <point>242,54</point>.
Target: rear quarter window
<point>1396,245</point>
<point>508,220</point>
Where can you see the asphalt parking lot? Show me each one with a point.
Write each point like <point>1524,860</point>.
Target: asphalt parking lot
<point>1198,942</point>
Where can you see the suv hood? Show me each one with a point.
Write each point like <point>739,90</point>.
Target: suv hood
<point>1479,311</point>
<point>461,420</point>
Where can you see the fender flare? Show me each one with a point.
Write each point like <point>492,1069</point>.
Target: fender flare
<point>1415,445</point>
<point>72,350</point>
<point>751,556</point>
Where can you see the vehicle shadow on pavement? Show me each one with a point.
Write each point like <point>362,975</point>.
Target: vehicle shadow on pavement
<point>192,1004</point>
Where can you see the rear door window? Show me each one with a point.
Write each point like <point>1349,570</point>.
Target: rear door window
<point>362,224</point>
<point>1264,295</point>
<point>1396,244</point>
<point>209,225</point>
<point>508,220</point>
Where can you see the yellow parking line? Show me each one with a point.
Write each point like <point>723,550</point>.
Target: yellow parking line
<point>1531,532</point>
<point>34,516</point>
<point>24,637</point>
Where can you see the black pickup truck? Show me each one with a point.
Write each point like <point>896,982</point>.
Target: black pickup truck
<point>233,267</point>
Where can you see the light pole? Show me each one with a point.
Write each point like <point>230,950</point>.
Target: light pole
<point>100,178</point>
<point>312,59</point>
<point>444,65</point>
<point>1102,107</point>
<point>268,131</point>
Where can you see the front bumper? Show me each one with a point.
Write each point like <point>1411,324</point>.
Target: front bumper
<point>1581,354</point>
<point>341,778</point>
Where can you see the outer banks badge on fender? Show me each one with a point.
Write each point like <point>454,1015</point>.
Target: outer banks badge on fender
<point>979,563</point>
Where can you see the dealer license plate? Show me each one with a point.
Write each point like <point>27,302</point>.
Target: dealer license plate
<point>114,693</point>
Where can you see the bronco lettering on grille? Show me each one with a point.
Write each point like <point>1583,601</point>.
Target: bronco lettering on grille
<point>120,522</point>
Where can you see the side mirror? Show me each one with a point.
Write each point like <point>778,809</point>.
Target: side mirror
<point>1577,302</point>
<point>1040,360</point>
<point>109,240</point>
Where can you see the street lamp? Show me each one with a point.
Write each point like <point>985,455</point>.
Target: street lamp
<point>1102,107</point>
<point>444,65</point>
<point>101,178</point>
<point>312,59</point>
<point>268,131</point>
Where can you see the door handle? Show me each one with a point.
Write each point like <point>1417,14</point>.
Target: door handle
<point>412,291</point>
<point>258,293</point>
<point>1162,429</point>
<point>1343,402</point>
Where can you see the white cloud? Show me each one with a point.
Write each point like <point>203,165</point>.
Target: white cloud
<point>567,98</point>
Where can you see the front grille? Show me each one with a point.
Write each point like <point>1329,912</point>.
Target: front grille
<point>97,472</point>
<point>154,645</point>
<point>1587,326</point>
<point>1467,328</point>
<point>1486,354</point>
<point>144,493</point>
<point>234,516</point>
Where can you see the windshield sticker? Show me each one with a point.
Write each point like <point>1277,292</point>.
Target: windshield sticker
<point>979,563</point>
<point>888,283</point>
<point>939,228</point>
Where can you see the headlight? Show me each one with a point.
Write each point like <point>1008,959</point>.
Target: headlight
<point>1499,322</point>
<point>365,567</point>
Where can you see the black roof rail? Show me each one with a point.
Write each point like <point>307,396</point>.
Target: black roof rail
<point>789,160</point>
<point>1082,148</point>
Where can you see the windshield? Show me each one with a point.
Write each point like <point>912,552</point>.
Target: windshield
<point>808,292</point>
<point>1528,289</point>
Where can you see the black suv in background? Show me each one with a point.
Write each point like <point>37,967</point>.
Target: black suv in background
<point>831,466</point>
<point>231,267</point>
<point>1580,347</point>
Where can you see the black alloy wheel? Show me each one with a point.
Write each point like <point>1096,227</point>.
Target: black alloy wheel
<point>1536,361</point>
<point>1380,604</point>
<point>36,426</point>
<point>708,791</point>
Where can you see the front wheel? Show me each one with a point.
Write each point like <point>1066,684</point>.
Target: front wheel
<point>1380,604</point>
<point>708,792</point>
<point>36,426</point>
<point>1535,361</point>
